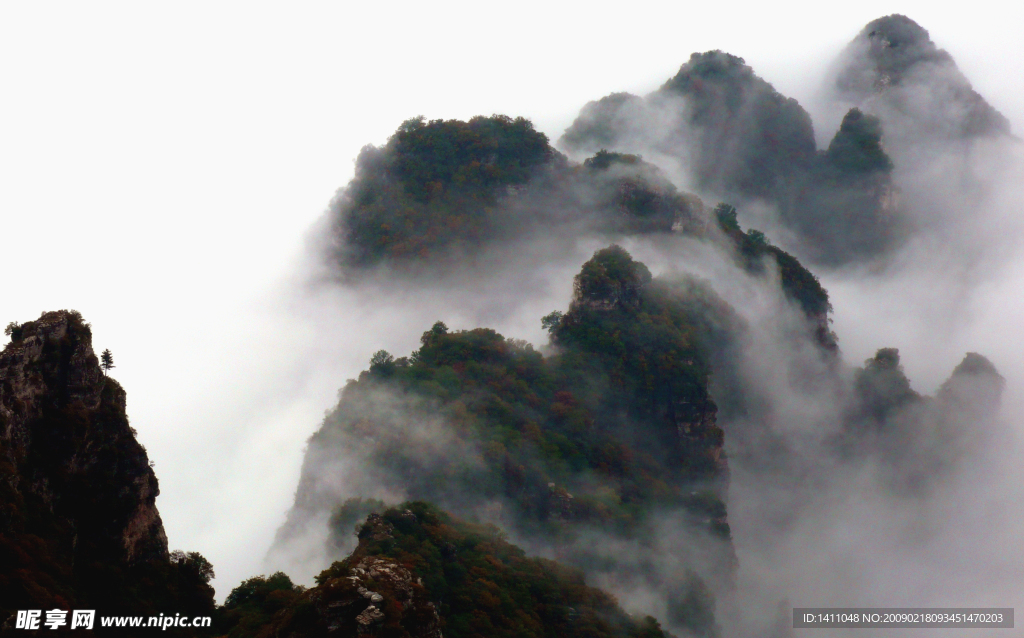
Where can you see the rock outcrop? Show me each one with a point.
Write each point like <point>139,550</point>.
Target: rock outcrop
<point>348,607</point>
<point>421,573</point>
<point>78,518</point>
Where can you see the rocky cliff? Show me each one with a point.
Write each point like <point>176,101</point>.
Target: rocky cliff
<point>78,520</point>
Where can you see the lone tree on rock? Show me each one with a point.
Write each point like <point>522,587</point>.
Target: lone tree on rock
<point>106,361</point>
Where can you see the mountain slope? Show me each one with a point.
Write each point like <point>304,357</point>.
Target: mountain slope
<point>611,440</point>
<point>418,572</point>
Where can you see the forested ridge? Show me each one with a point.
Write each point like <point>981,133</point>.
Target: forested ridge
<point>416,565</point>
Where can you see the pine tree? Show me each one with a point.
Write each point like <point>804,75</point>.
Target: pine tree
<point>106,360</point>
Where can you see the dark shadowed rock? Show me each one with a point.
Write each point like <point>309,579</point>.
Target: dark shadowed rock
<point>78,520</point>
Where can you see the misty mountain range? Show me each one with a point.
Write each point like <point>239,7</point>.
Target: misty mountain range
<point>482,485</point>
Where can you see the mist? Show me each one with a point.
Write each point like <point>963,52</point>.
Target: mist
<point>170,200</point>
<point>809,526</point>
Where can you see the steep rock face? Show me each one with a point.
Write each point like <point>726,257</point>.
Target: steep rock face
<point>701,440</point>
<point>801,286</point>
<point>78,517</point>
<point>376,588</point>
<point>346,606</point>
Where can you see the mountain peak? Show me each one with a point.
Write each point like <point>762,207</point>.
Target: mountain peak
<point>896,30</point>
<point>894,58</point>
<point>975,384</point>
<point>895,45</point>
<point>610,279</point>
<point>77,491</point>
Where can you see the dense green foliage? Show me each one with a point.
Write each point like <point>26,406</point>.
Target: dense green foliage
<point>633,367</point>
<point>441,189</point>
<point>644,347</point>
<point>435,185</point>
<point>604,159</point>
<point>432,157</point>
<point>613,434</point>
<point>486,586</point>
<point>252,605</point>
<point>418,571</point>
<point>798,283</point>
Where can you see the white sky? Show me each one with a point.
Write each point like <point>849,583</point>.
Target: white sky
<point>160,164</point>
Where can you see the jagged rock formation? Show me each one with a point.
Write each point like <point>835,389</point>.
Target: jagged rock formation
<point>848,207</point>
<point>450,188</point>
<point>736,133</point>
<point>893,69</point>
<point>613,290</point>
<point>78,518</point>
<point>419,573</point>
<point>740,139</point>
<point>614,436</point>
